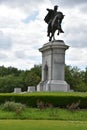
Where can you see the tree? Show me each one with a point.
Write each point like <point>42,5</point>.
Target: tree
<point>37,70</point>
<point>75,78</point>
<point>85,76</point>
<point>68,76</point>
<point>8,71</point>
<point>8,83</point>
<point>32,79</point>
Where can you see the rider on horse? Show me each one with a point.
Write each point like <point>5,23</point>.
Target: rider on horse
<point>49,17</point>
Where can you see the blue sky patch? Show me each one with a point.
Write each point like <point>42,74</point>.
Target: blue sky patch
<point>31,17</point>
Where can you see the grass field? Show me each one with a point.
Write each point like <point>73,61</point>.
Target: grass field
<point>46,114</point>
<point>42,125</point>
<point>51,118</point>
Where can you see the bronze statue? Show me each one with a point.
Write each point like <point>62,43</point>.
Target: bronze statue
<point>54,19</point>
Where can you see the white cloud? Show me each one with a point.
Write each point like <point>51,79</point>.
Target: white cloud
<point>77,57</point>
<point>21,34</point>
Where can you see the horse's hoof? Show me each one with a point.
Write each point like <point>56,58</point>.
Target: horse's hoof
<point>49,39</point>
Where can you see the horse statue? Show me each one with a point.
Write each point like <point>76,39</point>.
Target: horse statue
<point>55,25</point>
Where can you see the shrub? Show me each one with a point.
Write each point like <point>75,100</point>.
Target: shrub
<point>40,104</point>
<point>57,99</point>
<point>73,105</point>
<point>12,106</point>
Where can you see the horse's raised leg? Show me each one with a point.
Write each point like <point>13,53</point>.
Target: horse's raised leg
<point>58,32</point>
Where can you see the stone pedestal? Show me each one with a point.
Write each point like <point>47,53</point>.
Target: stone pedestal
<point>53,67</point>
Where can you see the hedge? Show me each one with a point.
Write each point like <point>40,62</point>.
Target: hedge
<point>58,99</point>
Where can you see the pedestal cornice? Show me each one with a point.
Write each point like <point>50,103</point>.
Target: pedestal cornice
<point>54,44</point>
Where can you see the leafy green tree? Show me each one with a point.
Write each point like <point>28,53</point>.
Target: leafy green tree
<point>68,76</point>
<point>8,83</point>
<point>9,70</point>
<point>37,70</point>
<point>75,78</point>
<point>32,79</point>
<point>85,76</point>
<point>11,77</point>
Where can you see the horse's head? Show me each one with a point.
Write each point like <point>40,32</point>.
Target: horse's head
<point>60,15</point>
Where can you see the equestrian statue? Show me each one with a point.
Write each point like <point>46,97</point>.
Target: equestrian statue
<point>54,19</point>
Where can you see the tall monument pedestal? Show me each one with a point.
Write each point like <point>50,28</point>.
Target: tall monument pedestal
<point>53,67</point>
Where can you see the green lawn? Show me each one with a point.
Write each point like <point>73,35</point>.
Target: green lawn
<point>42,125</point>
<point>46,114</point>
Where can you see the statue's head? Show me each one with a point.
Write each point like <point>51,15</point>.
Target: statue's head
<point>55,7</point>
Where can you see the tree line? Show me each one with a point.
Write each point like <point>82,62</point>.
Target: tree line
<point>11,78</point>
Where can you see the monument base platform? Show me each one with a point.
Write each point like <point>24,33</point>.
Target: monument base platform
<point>53,85</point>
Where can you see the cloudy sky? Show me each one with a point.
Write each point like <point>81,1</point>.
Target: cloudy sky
<point>23,31</point>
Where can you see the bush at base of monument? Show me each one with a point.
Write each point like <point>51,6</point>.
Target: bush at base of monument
<point>56,99</point>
